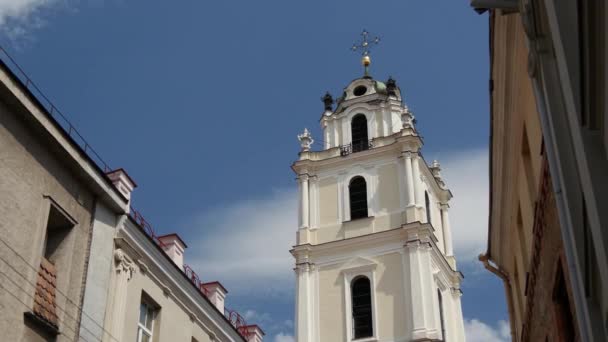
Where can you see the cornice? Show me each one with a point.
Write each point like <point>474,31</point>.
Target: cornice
<point>384,146</point>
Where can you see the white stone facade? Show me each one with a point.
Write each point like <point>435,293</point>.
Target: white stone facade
<point>406,256</point>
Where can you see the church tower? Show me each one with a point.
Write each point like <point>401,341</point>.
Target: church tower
<point>373,258</point>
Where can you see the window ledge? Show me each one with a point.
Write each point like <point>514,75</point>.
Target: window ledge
<point>354,220</point>
<point>40,322</point>
<point>366,339</point>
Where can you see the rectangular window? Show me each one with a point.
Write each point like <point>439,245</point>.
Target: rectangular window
<point>563,313</point>
<point>59,226</point>
<point>148,313</point>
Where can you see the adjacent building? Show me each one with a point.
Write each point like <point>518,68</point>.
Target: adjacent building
<point>549,136</point>
<point>373,257</point>
<point>77,262</point>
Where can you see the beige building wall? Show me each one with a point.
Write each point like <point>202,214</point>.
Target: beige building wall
<point>525,240</point>
<point>143,272</point>
<point>388,210</point>
<point>389,299</point>
<point>172,323</point>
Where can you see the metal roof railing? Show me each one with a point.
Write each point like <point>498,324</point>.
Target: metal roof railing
<point>52,110</point>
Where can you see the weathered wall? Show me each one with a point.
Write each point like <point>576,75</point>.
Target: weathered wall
<point>525,233</point>
<point>30,175</point>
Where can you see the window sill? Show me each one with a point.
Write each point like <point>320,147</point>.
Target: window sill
<point>366,339</point>
<point>354,220</point>
<point>40,322</point>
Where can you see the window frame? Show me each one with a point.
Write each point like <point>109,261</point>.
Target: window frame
<point>352,297</point>
<point>141,327</point>
<point>365,269</point>
<point>362,144</point>
<point>349,199</point>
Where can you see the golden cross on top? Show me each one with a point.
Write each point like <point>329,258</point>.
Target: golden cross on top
<point>365,46</point>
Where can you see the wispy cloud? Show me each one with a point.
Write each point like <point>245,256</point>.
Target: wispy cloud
<point>248,243</point>
<point>477,331</point>
<point>280,337</point>
<point>18,17</point>
<point>466,175</point>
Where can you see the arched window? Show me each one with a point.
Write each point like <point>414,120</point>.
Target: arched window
<point>358,128</point>
<point>357,191</point>
<point>362,308</point>
<point>440,299</point>
<point>427,202</point>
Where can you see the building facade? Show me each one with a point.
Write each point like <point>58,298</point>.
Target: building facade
<point>547,237</point>
<point>52,196</point>
<point>77,262</point>
<point>373,258</point>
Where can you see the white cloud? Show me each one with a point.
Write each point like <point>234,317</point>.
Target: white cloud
<point>466,174</point>
<point>280,337</point>
<point>20,9</point>
<point>247,247</point>
<point>18,17</point>
<point>247,242</point>
<point>477,331</point>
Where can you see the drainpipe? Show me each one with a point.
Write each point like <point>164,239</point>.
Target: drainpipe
<point>505,278</point>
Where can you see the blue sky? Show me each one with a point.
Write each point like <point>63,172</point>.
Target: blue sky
<point>201,102</point>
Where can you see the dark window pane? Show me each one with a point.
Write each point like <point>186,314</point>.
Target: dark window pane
<point>362,308</point>
<point>360,141</point>
<point>427,202</point>
<point>357,190</point>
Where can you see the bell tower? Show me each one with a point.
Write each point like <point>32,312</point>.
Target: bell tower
<point>373,258</point>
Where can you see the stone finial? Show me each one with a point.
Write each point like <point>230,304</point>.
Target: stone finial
<point>436,171</point>
<point>408,120</point>
<point>391,87</point>
<point>436,168</point>
<point>306,140</point>
<point>328,102</point>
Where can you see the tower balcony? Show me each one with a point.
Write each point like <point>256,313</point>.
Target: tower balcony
<point>355,147</point>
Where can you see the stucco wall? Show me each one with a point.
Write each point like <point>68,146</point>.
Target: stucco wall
<point>328,201</point>
<point>387,191</point>
<point>389,296</point>
<point>172,324</point>
<point>31,174</point>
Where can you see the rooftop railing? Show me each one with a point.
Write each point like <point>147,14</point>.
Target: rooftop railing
<point>52,110</point>
<point>68,128</point>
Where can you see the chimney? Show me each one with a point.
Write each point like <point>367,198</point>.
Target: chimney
<point>174,246</point>
<point>254,333</point>
<point>123,183</point>
<point>216,294</point>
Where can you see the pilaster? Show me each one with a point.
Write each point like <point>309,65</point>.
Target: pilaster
<point>304,298</point>
<point>420,279</point>
<point>447,230</point>
<point>124,269</point>
<point>304,201</point>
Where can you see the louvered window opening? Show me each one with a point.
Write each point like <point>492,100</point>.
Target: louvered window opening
<point>360,140</point>
<point>358,198</point>
<point>427,202</point>
<point>440,299</point>
<point>362,308</point>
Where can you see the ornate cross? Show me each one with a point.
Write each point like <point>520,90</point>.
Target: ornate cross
<point>365,45</point>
